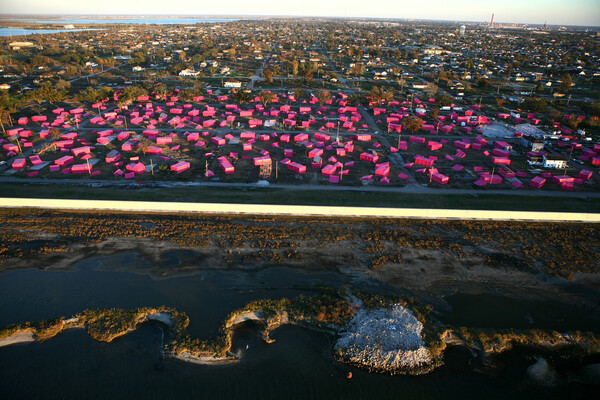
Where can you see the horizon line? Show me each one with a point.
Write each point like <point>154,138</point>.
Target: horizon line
<point>294,16</point>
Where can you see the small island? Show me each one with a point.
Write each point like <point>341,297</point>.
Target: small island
<point>379,333</point>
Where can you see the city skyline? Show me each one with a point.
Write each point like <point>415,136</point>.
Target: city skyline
<point>554,12</point>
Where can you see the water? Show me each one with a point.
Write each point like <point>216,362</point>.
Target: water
<point>299,365</point>
<point>207,297</point>
<point>131,20</point>
<point>21,32</point>
<point>489,311</point>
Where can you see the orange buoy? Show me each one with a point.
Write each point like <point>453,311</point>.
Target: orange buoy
<point>349,375</point>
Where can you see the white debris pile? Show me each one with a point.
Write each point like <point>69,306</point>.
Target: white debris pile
<point>385,339</point>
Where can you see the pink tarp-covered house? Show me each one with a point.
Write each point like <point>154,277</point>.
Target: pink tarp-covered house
<point>180,167</point>
<point>113,156</point>
<point>369,157</point>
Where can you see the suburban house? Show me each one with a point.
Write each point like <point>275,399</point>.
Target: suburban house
<point>535,160</point>
<point>532,144</point>
<point>554,161</point>
<point>189,72</point>
<point>233,84</point>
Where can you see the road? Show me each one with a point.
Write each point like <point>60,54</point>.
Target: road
<point>395,158</point>
<point>96,73</point>
<point>408,189</point>
<point>259,72</point>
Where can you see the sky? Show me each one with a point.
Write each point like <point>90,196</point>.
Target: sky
<point>554,12</point>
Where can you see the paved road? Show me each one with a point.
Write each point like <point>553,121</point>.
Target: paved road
<point>395,158</point>
<point>96,73</point>
<point>259,72</point>
<point>408,189</point>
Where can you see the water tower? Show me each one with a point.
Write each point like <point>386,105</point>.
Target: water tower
<point>462,30</point>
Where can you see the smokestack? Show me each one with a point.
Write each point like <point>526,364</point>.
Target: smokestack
<point>492,22</point>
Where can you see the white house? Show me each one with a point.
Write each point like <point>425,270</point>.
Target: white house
<point>554,161</point>
<point>189,72</point>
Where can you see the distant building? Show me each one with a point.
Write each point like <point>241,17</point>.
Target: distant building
<point>233,84</point>
<point>431,49</point>
<point>4,86</point>
<point>189,72</point>
<point>532,144</point>
<point>18,45</point>
<point>462,29</point>
<point>137,68</point>
<point>554,161</point>
<point>535,160</point>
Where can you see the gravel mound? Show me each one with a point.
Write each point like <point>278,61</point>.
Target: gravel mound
<point>385,340</point>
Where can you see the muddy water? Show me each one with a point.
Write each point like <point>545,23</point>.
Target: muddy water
<point>299,365</point>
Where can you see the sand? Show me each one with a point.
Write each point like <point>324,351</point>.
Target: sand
<point>19,337</point>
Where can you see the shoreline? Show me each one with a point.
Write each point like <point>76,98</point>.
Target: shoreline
<point>190,358</point>
<point>371,348</point>
<point>25,336</point>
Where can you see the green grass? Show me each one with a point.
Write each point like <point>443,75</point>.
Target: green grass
<point>307,197</point>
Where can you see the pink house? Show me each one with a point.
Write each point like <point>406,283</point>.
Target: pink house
<point>362,137</point>
<point>79,151</point>
<point>164,140</point>
<point>218,141</point>
<point>329,169</point>
<point>431,145</point>
<point>19,163</point>
<point>65,160</point>
<point>262,160</point>
<point>154,150</point>
<point>113,156</point>
<point>180,167</point>
<point>369,157</point>
<point>322,137</point>
<point>302,137</point>
<point>35,160</point>
<point>247,135</point>
<point>137,168</point>
<point>439,178</point>
<point>427,162</point>
<point>298,168</point>
<point>382,169</point>
<point>416,139</point>
<point>500,160</point>
<point>537,182</point>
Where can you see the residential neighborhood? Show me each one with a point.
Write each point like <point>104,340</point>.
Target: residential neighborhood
<point>320,102</point>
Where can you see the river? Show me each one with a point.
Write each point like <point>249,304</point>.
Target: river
<point>299,365</point>
<point>129,20</point>
<point>24,32</point>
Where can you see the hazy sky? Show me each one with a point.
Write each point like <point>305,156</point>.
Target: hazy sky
<point>555,12</point>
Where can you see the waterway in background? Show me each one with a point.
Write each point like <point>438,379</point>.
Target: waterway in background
<point>23,32</point>
<point>139,20</point>
<point>299,365</point>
